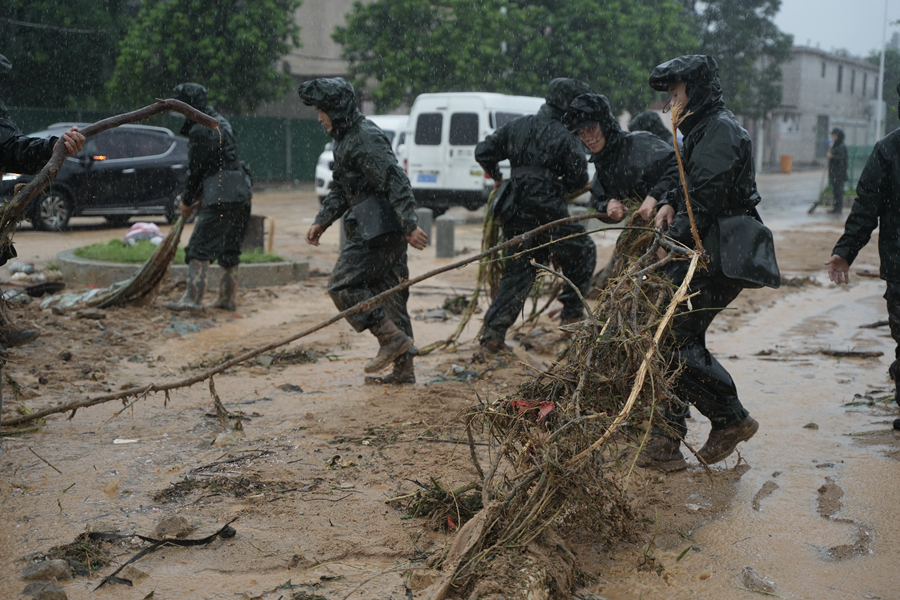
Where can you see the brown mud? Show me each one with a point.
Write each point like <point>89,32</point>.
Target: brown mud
<point>320,456</point>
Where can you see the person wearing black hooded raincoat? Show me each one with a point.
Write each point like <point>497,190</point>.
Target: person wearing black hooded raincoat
<point>548,165</point>
<point>627,165</point>
<point>374,196</point>
<point>22,154</point>
<point>650,120</point>
<point>721,184</point>
<point>877,205</point>
<point>837,168</point>
<point>220,184</point>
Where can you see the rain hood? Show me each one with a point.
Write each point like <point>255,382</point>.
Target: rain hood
<point>587,109</point>
<point>336,98</point>
<point>701,76</point>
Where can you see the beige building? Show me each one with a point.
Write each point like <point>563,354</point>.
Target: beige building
<point>320,56</point>
<point>821,91</point>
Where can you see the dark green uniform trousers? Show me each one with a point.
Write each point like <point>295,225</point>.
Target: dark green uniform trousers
<point>219,233</point>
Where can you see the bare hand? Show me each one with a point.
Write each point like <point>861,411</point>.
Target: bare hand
<point>73,141</point>
<point>187,210</point>
<point>418,239</point>
<point>497,183</point>
<point>647,207</point>
<point>314,233</point>
<point>665,216</point>
<point>838,269</point>
<point>615,210</point>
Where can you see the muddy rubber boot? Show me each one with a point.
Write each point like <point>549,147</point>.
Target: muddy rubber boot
<point>392,342</point>
<point>228,287</point>
<point>193,289</point>
<point>10,335</point>
<point>722,442</point>
<point>403,373</point>
<point>662,453</point>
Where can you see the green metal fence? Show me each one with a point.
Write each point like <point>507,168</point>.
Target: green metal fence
<point>276,148</point>
<point>857,157</point>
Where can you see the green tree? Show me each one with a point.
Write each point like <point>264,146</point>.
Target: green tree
<point>749,49</point>
<point>413,46</point>
<point>230,46</point>
<point>891,79</point>
<point>62,52</point>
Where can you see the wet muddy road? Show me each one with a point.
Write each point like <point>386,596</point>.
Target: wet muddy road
<point>814,514</point>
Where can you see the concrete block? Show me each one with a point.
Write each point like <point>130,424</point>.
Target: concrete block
<point>426,216</point>
<point>445,227</point>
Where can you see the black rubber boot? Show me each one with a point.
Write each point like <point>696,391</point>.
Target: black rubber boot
<point>228,287</point>
<point>194,288</point>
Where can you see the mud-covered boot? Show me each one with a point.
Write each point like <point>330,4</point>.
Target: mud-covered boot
<point>10,335</point>
<point>403,372</point>
<point>392,343</point>
<point>722,442</point>
<point>193,289</point>
<point>662,453</point>
<point>228,287</point>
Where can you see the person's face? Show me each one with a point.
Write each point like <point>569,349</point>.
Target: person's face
<point>593,137</point>
<point>678,92</point>
<point>324,119</point>
<point>834,137</point>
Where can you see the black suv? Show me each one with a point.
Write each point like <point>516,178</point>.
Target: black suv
<point>133,170</point>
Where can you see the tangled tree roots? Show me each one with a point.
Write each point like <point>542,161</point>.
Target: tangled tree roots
<point>559,468</point>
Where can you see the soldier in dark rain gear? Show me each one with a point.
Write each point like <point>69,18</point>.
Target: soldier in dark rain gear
<point>221,185</point>
<point>650,121</point>
<point>627,165</point>
<point>547,165</point>
<point>722,189</point>
<point>373,194</point>
<point>837,168</point>
<point>877,205</point>
<point>20,154</point>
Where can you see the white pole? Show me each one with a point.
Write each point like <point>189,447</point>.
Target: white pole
<point>879,121</point>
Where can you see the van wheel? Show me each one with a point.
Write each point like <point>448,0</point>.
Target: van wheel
<point>53,212</point>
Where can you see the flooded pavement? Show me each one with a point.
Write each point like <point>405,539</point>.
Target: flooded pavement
<point>813,515</point>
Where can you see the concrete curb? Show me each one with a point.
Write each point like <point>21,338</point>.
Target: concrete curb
<point>80,271</point>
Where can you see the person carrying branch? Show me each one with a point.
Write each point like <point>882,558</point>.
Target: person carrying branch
<point>21,154</point>
<point>721,188</point>
<point>220,184</point>
<point>877,205</point>
<point>548,165</point>
<point>374,196</point>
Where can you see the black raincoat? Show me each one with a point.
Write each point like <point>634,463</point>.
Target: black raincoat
<point>219,179</point>
<point>630,165</point>
<point>364,165</point>
<point>837,164</point>
<point>548,164</point>
<point>650,121</point>
<point>20,154</point>
<point>721,182</point>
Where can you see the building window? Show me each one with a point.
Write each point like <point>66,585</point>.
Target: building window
<point>852,81</point>
<point>840,77</point>
<point>865,81</point>
<point>823,69</point>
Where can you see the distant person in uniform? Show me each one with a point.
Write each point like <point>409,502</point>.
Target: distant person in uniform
<point>21,154</point>
<point>220,184</point>
<point>375,198</point>
<point>548,165</point>
<point>838,163</point>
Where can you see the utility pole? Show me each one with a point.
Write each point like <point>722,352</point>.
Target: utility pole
<point>879,120</point>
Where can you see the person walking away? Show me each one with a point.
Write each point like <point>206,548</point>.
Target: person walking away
<point>722,190</point>
<point>548,164</point>
<point>220,184</point>
<point>21,154</point>
<point>374,196</point>
<point>649,120</point>
<point>877,205</point>
<point>837,169</point>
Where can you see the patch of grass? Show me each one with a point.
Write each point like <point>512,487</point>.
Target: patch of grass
<point>119,252</point>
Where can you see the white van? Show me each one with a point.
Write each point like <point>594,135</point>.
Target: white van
<point>438,153</point>
<point>391,125</point>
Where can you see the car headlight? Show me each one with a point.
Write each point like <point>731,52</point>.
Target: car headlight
<point>11,176</point>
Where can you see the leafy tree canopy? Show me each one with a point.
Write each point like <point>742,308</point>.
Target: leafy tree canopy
<point>230,46</point>
<point>62,52</point>
<point>415,46</point>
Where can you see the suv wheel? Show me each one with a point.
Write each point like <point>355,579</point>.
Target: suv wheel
<point>53,212</point>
